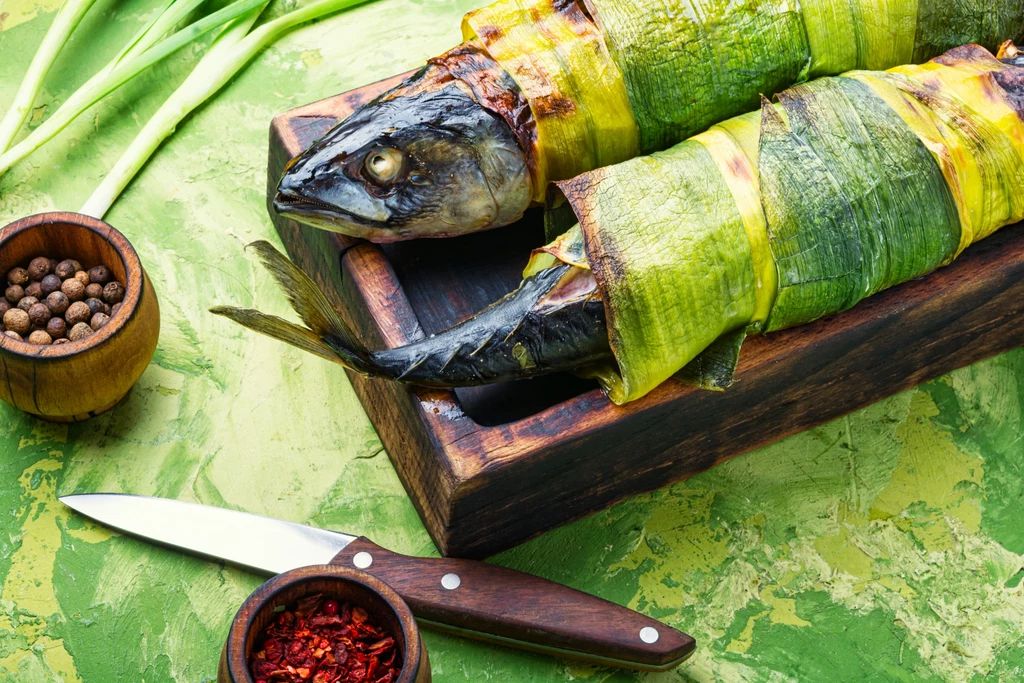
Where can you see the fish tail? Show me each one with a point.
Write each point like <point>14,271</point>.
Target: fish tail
<point>326,335</point>
<point>279,329</point>
<point>305,297</point>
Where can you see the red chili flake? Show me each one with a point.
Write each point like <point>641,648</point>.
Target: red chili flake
<point>322,641</point>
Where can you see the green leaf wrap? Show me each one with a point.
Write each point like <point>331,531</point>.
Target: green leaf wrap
<point>687,64</point>
<point>855,203</point>
<point>691,63</point>
<point>848,186</point>
<point>714,367</point>
<point>668,293</point>
<point>944,24</point>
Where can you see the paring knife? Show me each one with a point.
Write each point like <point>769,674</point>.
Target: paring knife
<point>466,597</point>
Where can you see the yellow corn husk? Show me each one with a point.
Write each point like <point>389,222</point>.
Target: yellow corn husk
<point>733,148</point>
<point>576,92</point>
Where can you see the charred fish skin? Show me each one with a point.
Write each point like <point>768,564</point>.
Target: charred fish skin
<point>554,322</point>
<point>427,159</point>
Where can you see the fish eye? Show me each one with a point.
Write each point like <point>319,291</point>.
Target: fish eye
<point>383,165</point>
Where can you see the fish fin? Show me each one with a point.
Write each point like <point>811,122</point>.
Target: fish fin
<point>279,329</point>
<point>715,367</point>
<point>306,298</point>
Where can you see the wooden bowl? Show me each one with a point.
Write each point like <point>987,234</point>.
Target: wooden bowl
<point>385,607</point>
<point>76,381</point>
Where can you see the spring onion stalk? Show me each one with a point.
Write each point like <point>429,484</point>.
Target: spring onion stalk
<point>235,48</point>
<point>200,84</point>
<point>67,20</point>
<point>172,13</point>
<point>129,66</point>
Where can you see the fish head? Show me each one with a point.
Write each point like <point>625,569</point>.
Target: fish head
<point>428,164</point>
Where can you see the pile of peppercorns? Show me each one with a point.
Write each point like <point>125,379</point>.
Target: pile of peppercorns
<point>57,303</point>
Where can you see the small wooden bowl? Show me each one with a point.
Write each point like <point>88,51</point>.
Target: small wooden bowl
<point>383,604</point>
<point>76,381</point>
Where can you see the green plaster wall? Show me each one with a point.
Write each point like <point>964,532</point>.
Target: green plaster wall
<point>884,546</point>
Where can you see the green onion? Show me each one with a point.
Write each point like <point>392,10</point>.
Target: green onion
<point>232,50</point>
<point>67,20</point>
<point>133,61</point>
<point>172,13</point>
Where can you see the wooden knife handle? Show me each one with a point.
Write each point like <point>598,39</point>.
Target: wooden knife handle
<point>498,605</point>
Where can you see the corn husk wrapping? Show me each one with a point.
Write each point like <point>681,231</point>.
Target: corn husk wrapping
<point>845,187</point>
<point>582,116</point>
<point>637,76</point>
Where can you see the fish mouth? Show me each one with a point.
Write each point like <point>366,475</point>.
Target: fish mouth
<point>333,218</point>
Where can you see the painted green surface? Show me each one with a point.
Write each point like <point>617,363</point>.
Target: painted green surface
<point>884,546</point>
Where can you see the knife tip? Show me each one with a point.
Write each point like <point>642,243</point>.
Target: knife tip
<point>72,499</point>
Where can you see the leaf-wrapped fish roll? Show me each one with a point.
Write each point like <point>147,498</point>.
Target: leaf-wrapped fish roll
<point>544,90</point>
<point>845,187</point>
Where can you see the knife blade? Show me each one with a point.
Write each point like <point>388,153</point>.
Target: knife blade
<point>474,599</point>
<point>212,532</point>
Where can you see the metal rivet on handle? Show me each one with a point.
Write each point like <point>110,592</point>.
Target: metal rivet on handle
<point>649,635</point>
<point>362,560</point>
<point>451,581</point>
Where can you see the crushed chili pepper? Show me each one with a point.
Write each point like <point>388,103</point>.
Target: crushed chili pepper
<point>324,641</point>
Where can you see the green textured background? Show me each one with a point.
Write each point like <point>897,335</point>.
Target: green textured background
<point>884,546</point>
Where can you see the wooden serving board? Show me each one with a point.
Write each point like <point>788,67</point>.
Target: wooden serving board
<point>490,467</point>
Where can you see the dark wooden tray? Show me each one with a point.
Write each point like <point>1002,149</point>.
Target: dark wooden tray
<point>490,467</point>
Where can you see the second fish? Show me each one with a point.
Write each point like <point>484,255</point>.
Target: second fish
<point>544,90</point>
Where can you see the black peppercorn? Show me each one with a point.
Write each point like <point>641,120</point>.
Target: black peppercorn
<point>82,277</point>
<point>56,327</point>
<point>14,293</point>
<point>58,302</point>
<point>67,268</point>
<point>94,291</point>
<point>99,275</point>
<point>13,335</point>
<point>5,306</point>
<point>50,283</point>
<point>60,341</point>
<point>39,268</point>
<point>27,302</point>
<point>39,314</point>
<point>17,276</point>
<point>79,331</point>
